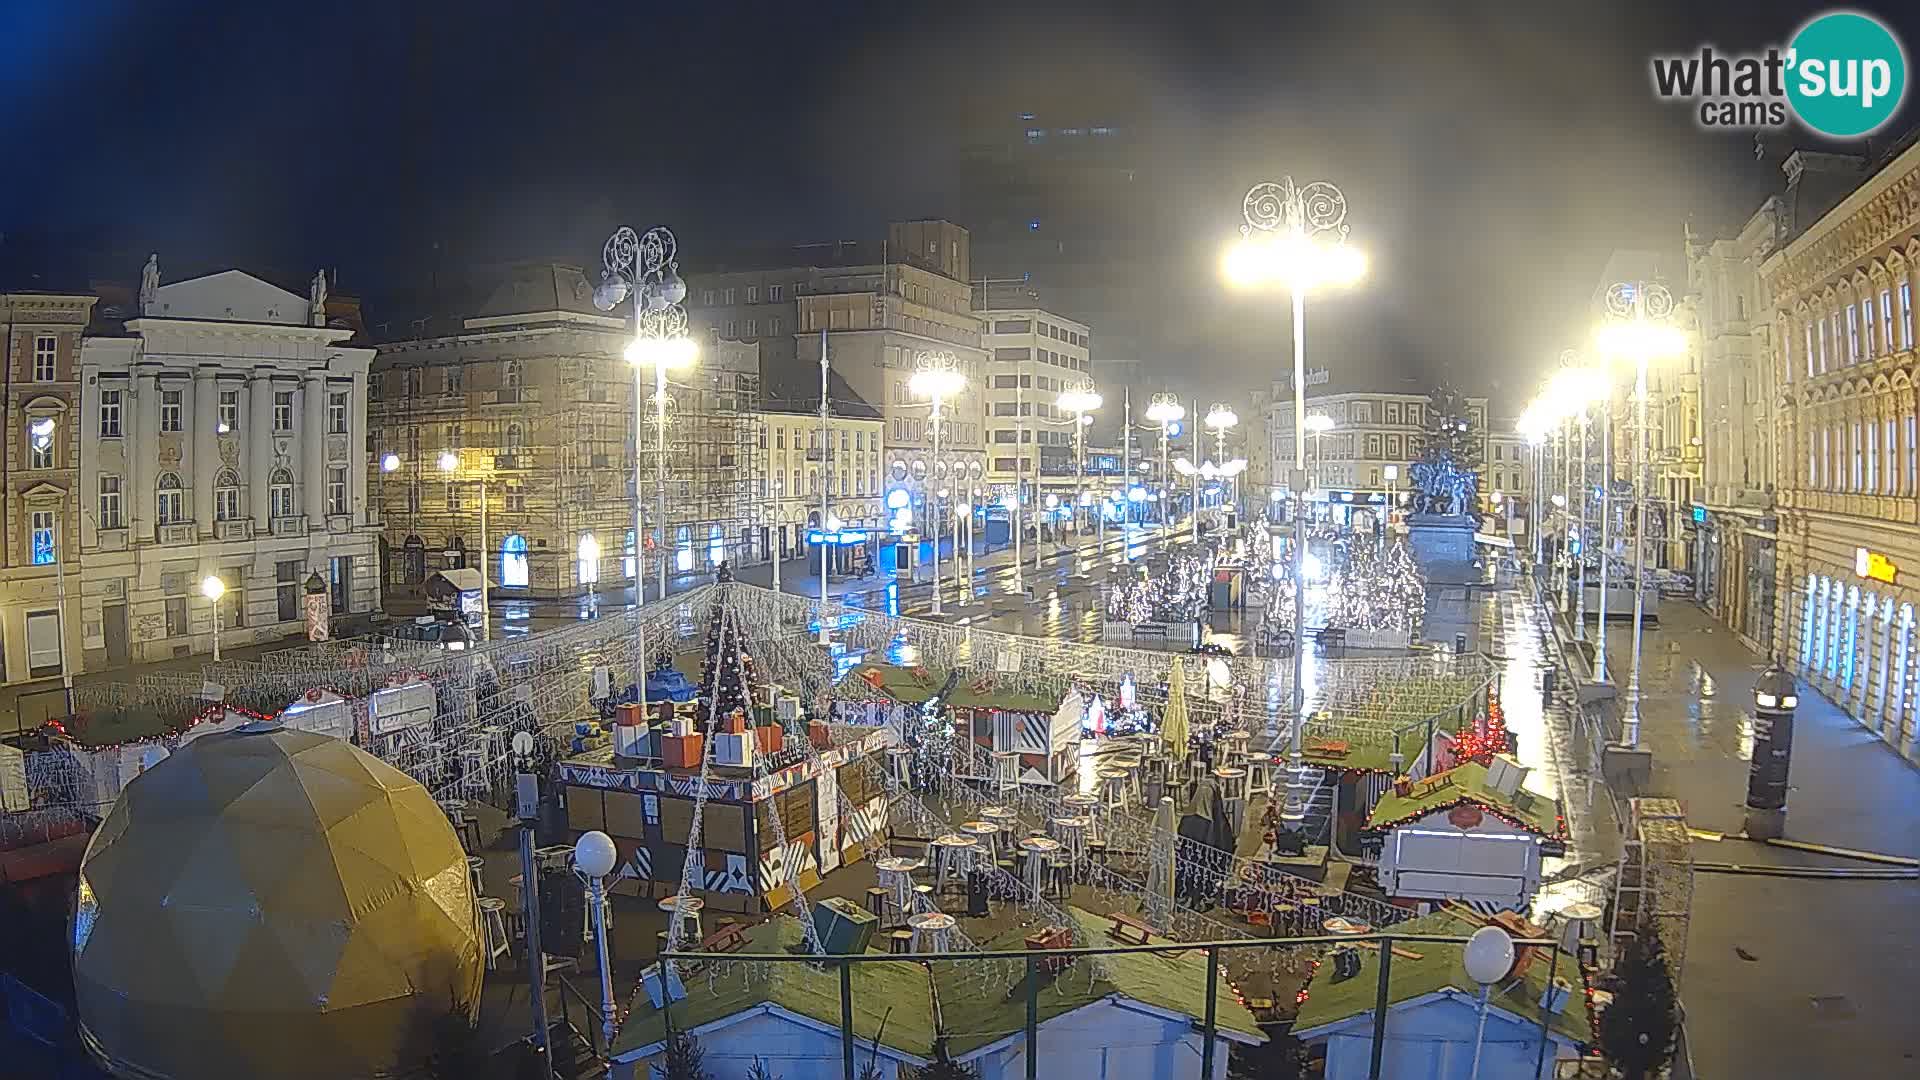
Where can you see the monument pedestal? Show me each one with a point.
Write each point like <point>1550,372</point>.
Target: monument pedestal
<point>1443,548</point>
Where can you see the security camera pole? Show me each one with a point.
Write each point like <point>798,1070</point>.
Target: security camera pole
<point>526,789</point>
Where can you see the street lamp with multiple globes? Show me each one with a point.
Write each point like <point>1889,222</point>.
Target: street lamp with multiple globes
<point>1220,417</point>
<point>1571,393</point>
<point>1081,400</point>
<point>646,267</point>
<point>1295,237</point>
<point>1317,426</point>
<point>450,463</point>
<point>936,376</point>
<point>1639,330</point>
<point>1166,411</point>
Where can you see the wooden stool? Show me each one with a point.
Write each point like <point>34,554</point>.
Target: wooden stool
<point>899,942</point>
<point>475,871</point>
<point>900,765</point>
<point>1072,834</point>
<point>1006,771</point>
<point>1259,776</point>
<point>688,911</point>
<point>877,901</point>
<point>493,921</point>
<point>1113,787</point>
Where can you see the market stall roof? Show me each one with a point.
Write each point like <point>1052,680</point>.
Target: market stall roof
<point>916,684</point>
<point>1465,784</point>
<point>902,995</point>
<point>460,578</point>
<point>1438,969</point>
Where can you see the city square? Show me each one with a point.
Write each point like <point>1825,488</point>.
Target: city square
<point>1204,575</point>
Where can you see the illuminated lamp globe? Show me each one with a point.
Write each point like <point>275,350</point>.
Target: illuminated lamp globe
<point>594,854</point>
<point>271,902</point>
<point>674,289</point>
<point>389,462</point>
<point>608,294</point>
<point>1488,955</point>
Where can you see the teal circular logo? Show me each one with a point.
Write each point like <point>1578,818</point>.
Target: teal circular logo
<point>1846,74</point>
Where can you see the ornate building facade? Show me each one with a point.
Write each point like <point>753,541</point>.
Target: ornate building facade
<point>225,434</point>
<point>1848,471</point>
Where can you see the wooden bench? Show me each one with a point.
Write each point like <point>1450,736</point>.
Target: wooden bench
<point>1128,930</point>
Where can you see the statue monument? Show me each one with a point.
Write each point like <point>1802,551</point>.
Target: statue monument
<point>1444,517</point>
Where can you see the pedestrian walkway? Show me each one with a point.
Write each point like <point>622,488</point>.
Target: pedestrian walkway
<point>1784,977</point>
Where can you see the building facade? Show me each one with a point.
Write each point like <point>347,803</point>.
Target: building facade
<point>1734,548</point>
<point>225,435</point>
<point>39,555</point>
<point>535,402</point>
<point>1033,356</point>
<point>1373,440</point>
<point>802,476</point>
<point>1841,298</point>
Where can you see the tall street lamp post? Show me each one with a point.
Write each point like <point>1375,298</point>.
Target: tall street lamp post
<point>1317,426</point>
<point>1220,418</point>
<point>646,267</point>
<point>1639,331</point>
<point>937,376</point>
<point>213,589</point>
<point>450,464</point>
<point>1295,236</point>
<point>1081,401</point>
<point>1166,411</point>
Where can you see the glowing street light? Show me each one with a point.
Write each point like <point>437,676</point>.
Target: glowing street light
<point>213,589</point>
<point>1640,331</point>
<point>646,267</point>
<point>1082,400</point>
<point>936,376</point>
<point>1295,237</point>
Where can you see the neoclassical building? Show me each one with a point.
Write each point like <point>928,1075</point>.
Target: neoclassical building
<point>225,435</point>
<point>1842,294</point>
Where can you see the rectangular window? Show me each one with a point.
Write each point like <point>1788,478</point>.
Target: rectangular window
<point>286,590</point>
<point>226,503</point>
<point>1866,326</point>
<point>780,438</point>
<point>1821,328</point>
<point>280,498</point>
<point>753,327</point>
<point>1890,477</point>
<point>283,410</point>
<point>413,497</point>
<point>229,411</point>
<point>775,325</point>
<point>46,350</point>
<point>1886,321</point>
<point>753,294</point>
<point>1013,326</point>
<point>1913,456</point>
<point>453,496</point>
<point>1853,334</point>
<point>1873,458</point>
<point>110,503</point>
<point>776,293</point>
<point>706,298</point>
<point>337,413</point>
<point>1810,371</point>
<point>336,491</point>
<point>1826,457</point>
<point>170,410</point>
<point>1856,458</point>
<point>453,378</point>
<point>1013,354</point>
<point>39,448</point>
<point>44,549</point>
<point>176,616</point>
<point>1906,314</point>
<point>516,498</point>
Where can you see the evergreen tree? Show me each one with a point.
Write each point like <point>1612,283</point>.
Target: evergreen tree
<point>1638,1029</point>
<point>759,1071</point>
<point>1281,1057</point>
<point>1452,440</point>
<point>685,1058</point>
<point>943,1067</point>
<point>726,671</point>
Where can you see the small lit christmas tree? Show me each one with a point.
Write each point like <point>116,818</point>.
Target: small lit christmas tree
<point>727,675</point>
<point>1637,1031</point>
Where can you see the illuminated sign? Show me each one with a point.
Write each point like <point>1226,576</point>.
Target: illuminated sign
<point>1700,514</point>
<point>1874,566</point>
<point>838,539</point>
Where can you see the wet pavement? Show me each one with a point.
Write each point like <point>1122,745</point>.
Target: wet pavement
<point>1784,977</point>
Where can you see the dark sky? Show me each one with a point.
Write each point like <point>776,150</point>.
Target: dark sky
<point>1492,154</point>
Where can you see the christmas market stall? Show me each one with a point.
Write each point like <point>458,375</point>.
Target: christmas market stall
<point>1036,735</point>
<point>1473,833</point>
<point>766,787</point>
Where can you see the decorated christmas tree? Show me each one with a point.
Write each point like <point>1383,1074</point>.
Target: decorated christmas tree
<point>1447,472</point>
<point>726,671</point>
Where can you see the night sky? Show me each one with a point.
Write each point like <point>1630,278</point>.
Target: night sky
<point>1492,154</point>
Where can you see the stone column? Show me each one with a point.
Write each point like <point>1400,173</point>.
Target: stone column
<point>357,463</point>
<point>313,447</point>
<point>143,453</point>
<point>206,454</point>
<point>259,430</point>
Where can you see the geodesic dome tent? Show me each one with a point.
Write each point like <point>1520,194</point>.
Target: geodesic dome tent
<point>269,902</point>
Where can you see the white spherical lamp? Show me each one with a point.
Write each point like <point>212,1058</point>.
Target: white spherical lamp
<point>1488,956</point>
<point>593,855</point>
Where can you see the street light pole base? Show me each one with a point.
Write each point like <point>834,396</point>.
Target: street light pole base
<point>1766,824</point>
<point>1628,769</point>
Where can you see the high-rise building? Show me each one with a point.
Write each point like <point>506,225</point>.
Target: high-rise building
<point>1034,356</point>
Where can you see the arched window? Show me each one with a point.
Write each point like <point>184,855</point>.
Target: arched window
<point>170,502</point>
<point>226,496</point>
<point>513,562</point>
<point>280,494</point>
<point>515,435</point>
<point>589,553</point>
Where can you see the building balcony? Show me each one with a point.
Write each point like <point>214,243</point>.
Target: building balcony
<point>513,460</point>
<point>515,395</point>
<point>295,525</point>
<point>176,534</point>
<point>237,529</point>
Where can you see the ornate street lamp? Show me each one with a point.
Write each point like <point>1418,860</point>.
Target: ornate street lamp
<point>646,267</point>
<point>936,375</point>
<point>1295,237</point>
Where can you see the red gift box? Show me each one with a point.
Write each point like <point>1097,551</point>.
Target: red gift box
<point>769,740</point>
<point>627,714</point>
<point>682,751</point>
<point>734,723</point>
<point>818,734</point>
